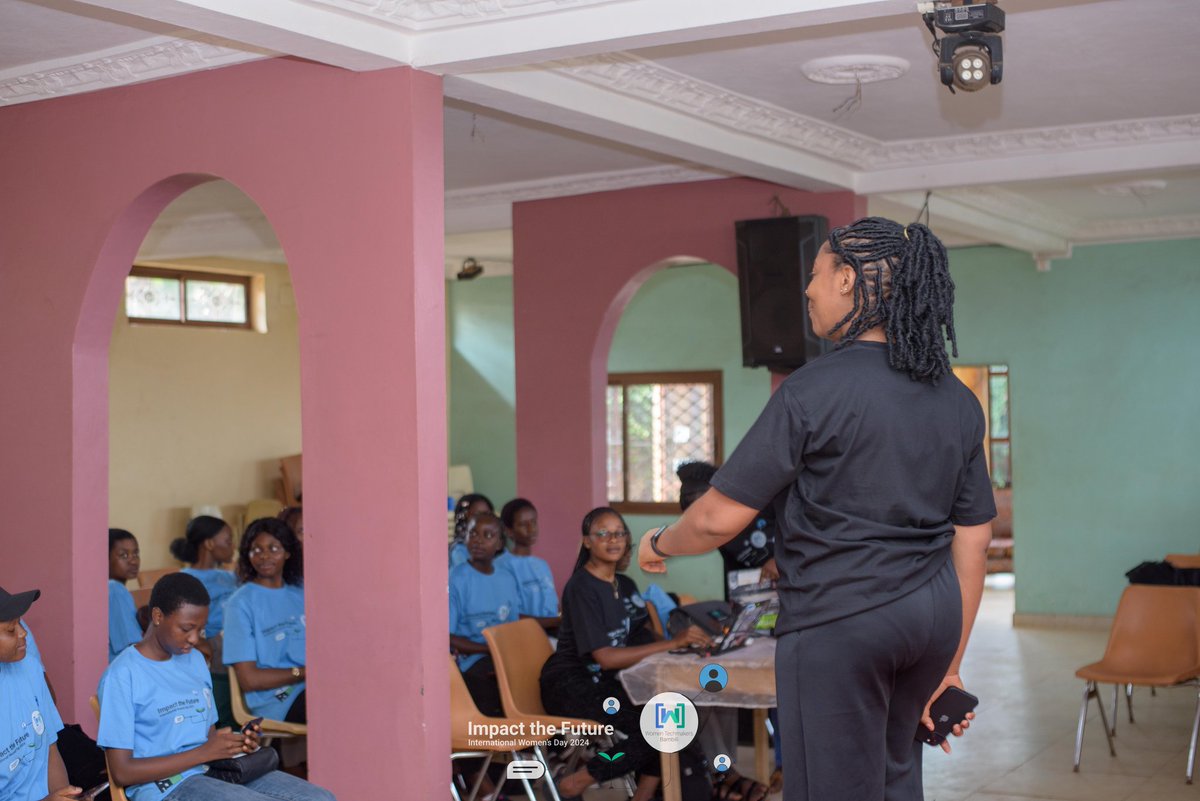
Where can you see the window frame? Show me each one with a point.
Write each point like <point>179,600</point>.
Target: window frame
<point>183,276</point>
<point>624,380</point>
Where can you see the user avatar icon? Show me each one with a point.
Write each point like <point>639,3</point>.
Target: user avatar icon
<point>713,678</point>
<point>722,763</point>
<point>611,706</point>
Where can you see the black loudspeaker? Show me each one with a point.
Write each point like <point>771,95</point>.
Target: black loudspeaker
<point>775,258</point>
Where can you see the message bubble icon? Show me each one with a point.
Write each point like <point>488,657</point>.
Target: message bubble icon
<point>525,769</point>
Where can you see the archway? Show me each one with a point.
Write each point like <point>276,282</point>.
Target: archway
<point>355,227</point>
<point>578,262</point>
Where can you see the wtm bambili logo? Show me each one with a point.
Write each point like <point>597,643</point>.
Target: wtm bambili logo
<point>669,722</point>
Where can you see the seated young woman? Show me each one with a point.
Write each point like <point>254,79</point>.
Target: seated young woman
<point>29,721</point>
<point>605,628</point>
<point>157,714</point>
<point>481,595</point>
<point>467,507</point>
<point>207,544</point>
<point>124,560</point>
<point>538,598</point>
<point>264,634</point>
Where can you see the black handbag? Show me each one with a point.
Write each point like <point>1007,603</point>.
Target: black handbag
<point>244,769</point>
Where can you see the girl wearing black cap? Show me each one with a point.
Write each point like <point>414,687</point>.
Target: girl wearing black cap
<point>29,721</point>
<point>872,456</point>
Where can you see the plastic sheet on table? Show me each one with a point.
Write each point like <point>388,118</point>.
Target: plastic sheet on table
<point>751,672</point>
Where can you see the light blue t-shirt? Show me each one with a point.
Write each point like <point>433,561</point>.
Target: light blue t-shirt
<point>220,585</point>
<point>266,626</point>
<point>536,583</point>
<point>123,628</point>
<point>156,709</point>
<point>477,601</point>
<point>29,725</point>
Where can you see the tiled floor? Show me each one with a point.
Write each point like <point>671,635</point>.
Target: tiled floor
<point>1021,745</point>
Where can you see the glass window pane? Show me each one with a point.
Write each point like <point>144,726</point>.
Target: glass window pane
<point>216,302</point>
<point>152,298</point>
<point>614,405</point>
<point>667,425</point>
<point>640,403</point>
<point>1001,464</point>
<point>998,390</point>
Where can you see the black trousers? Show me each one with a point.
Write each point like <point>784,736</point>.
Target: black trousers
<point>851,693</point>
<point>481,683</point>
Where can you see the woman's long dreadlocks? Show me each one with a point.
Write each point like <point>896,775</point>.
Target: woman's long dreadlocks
<point>903,283</point>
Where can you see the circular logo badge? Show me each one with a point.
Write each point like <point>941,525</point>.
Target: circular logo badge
<point>611,705</point>
<point>713,678</point>
<point>669,722</point>
<point>758,539</point>
<point>722,763</point>
<point>39,725</point>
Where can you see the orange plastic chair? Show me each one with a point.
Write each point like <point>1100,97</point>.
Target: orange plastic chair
<point>148,578</point>
<point>1154,642</point>
<point>655,623</point>
<point>243,715</point>
<point>290,479</point>
<point>1184,561</point>
<point>464,743</point>
<point>115,790</point>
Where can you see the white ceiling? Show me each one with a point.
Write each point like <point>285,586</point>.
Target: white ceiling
<point>1094,135</point>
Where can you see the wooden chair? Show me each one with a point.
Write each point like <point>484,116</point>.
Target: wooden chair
<point>464,744</point>
<point>243,715</point>
<point>1154,642</point>
<point>290,475</point>
<point>519,650</point>
<point>655,623</point>
<point>148,578</point>
<point>115,790</point>
<point>685,599</point>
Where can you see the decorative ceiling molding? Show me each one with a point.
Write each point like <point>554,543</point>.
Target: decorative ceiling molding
<point>582,184</point>
<point>418,15</point>
<point>627,74</point>
<point>1185,226</point>
<point>1014,207</point>
<point>145,60</point>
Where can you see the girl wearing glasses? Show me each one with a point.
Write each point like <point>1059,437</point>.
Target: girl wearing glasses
<point>480,597</point>
<point>264,622</point>
<point>605,628</point>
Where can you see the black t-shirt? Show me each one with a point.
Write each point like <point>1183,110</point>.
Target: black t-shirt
<point>869,472</point>
<point>754,546</point>
<point>593,618</point>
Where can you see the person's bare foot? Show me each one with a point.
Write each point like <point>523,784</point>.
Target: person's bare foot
<point>575,784</point>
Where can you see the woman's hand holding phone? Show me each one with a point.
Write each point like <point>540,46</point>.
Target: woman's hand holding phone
<point>951,680</point>
<point>251,734</point>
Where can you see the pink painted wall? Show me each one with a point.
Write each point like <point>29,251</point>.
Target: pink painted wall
<point>348,168</point>
<point>579,261</point>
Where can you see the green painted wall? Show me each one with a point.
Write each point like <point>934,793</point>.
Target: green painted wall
<point>686,318</point>
<point>483,423</point>
<point>1105,386</point>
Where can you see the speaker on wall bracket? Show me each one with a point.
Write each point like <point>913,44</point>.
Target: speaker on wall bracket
<point>775,260</point>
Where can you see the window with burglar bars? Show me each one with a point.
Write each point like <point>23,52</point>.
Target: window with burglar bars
<point>656,422</point>
<point>179,297</point>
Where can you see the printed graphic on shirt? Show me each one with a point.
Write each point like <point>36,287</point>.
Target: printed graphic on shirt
<point>23,749</point>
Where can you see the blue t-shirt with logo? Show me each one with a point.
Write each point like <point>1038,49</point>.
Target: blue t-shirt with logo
<point>220,585</point>
<point>123,628</point>
<point>29,725</point>
<point>156,709</point>
<point>478,601</point>
<point>536,583</point>
<point>266,626</point>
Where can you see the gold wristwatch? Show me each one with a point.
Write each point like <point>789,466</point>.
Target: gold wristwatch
<point>296,672</point>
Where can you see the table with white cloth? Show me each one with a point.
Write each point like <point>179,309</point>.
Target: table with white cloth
<point>751,685</point>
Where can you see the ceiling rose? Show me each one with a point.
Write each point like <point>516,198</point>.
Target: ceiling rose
<point>854,69</point>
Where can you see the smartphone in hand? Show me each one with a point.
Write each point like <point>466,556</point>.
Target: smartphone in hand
<point>250,724</point>
<point>89,795</point>
<point>949,710</point>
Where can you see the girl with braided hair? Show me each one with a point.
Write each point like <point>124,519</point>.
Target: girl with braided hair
<point>872,457</point>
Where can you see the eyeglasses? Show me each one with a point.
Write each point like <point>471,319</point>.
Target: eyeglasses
<point>274,550</point>
<point>605,536</point>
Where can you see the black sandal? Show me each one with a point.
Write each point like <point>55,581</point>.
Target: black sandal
<point>735,787</point>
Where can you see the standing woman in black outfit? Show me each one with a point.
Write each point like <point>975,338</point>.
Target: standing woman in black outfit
<point>605,628</point>
<point>872,456</point>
